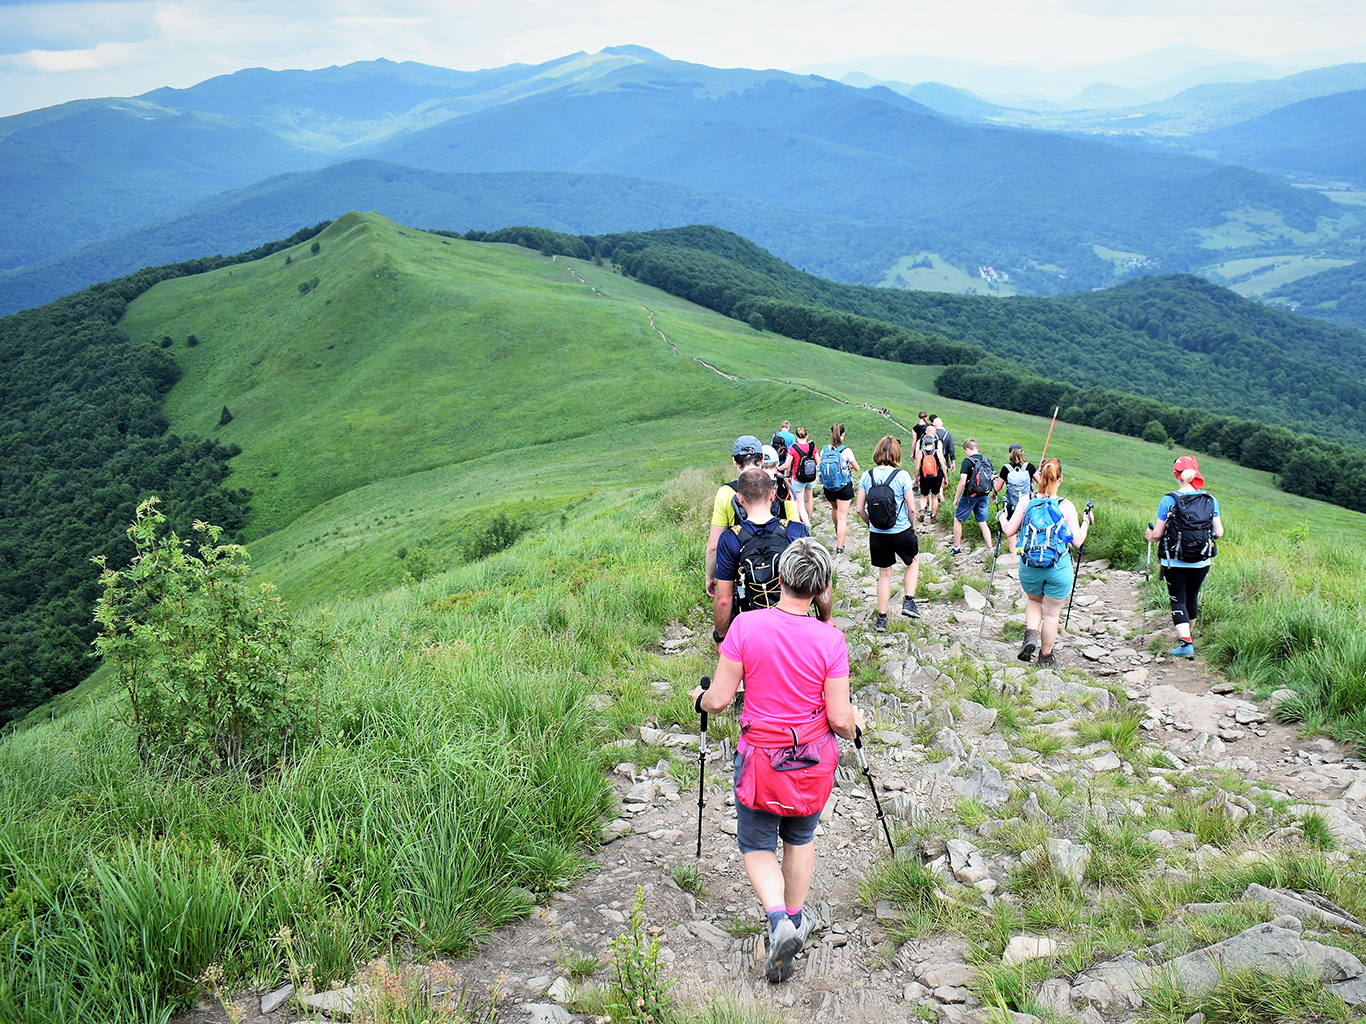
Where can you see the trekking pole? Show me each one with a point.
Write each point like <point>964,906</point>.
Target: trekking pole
<point>701,765</point>
<point>868,774</point>
<point>1050,434</point>
<point>990,579</point>
<point>1089,505</point>
<point>1147,581</point>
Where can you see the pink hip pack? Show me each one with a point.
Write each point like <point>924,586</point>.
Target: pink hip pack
<point>786,770</point>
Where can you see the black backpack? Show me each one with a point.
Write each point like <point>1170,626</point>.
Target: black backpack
<point>776,506</point>
<point>756,584</point>
<point>881,503</point>
<point>805,470</point>
<point>1189,534</point>
<point>780,446</point>
<point>981,478</point>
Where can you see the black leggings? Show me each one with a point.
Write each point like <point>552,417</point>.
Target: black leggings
<point>1183,587</point>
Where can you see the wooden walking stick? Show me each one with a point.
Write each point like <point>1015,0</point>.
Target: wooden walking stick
<point>1050,434</point>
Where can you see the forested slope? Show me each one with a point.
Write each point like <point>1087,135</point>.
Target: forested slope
<point>1175,338</point>
<point>82,440</point>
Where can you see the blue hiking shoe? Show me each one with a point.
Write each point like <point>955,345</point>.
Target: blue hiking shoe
<point>909,609</point>
<point>1184,650</point>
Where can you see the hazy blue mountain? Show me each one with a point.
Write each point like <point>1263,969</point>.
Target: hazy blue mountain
<point>943,98</point>
<point>84,170</point>
<point>578,204</point>
<point>1322,138</point>
<point>839,180</point>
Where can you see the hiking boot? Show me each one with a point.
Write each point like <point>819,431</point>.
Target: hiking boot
<point>839,551</point>
<point>955,551</point>
<point>1184,650</point>
<point>784,943</point>
<point>880,623</point>
<point>1030,645</point>
<point>909,609</point>
<point>1047,660</point>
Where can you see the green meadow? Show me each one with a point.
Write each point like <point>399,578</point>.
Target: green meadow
<point>483,485</point>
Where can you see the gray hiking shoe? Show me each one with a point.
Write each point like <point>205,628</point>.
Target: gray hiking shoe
<point>880,623</point>
<point>784,943</point>
<point>1030,645</point>
<point>909,609</point>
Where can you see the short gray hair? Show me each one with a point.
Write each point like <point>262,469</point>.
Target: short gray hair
<point>806,567</point>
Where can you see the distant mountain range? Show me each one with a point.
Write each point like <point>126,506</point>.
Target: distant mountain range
<point>857,184</point>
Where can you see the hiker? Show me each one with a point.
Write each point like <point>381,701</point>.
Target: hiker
<point>973,495</point>
<point>746,555</point>
<point>1047,524</point>
<point>922,424</point>
<point>796,673</point>
<point>804,461</point>
<point>745,453</point>
<point>946,439</point>
<point>783,505</point>
<point>837,468</point>
<point>1017,480</point>
<point>1188,524</point>
<point>886,502</point>
<point>929,470</point>
<point>782,441</point>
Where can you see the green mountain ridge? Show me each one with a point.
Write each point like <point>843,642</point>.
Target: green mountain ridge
<point>1173,338</point>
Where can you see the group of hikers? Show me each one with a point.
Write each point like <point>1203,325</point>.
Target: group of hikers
<point>770,582</point>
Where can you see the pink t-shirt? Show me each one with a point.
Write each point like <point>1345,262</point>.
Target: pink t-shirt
<point>787,659</point>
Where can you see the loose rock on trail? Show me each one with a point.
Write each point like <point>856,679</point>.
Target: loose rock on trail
<point>933,747</point>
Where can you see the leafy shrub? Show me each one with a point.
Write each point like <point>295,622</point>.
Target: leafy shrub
<point>204,658</point>
<point>641,994</point>
<point>315,248</point>
<point>191,341</point>
<point>499,533</point>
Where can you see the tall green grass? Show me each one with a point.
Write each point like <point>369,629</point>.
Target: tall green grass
<point>457,780</point>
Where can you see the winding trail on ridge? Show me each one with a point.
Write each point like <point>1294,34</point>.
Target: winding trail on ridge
<point>719,372</point>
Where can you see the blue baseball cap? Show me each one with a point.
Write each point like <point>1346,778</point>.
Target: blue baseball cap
<point>747,444</point>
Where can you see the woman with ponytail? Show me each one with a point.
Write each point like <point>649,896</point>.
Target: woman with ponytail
<point>1046,524</point>
<point>837,469</point>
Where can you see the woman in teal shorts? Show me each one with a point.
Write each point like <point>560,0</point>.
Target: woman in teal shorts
<point>1046,524</point>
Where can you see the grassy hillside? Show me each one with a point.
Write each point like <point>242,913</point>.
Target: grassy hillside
<point>454,770</point>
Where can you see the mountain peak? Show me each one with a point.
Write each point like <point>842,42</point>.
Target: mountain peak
<point>631,50</point>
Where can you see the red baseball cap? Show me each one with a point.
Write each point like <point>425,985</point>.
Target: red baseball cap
<point>1188,462</point>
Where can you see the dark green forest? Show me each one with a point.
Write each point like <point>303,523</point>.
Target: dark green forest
<point>1322,469</point>
<point>1174,338</point>
<point>1338,294</point>
<point>82,441</point>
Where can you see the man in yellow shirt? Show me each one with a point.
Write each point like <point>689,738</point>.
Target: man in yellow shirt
<point>748,451</point>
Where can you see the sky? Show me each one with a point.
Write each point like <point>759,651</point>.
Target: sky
<point>51,52</point>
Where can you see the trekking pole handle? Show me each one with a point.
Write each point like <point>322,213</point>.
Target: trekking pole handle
<point>858,749</point>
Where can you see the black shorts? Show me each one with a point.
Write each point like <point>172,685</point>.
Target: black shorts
<point>931,485</point>
<point>886,548</point>
<point>845,493</point>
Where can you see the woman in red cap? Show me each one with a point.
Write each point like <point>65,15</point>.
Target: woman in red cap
<point>1187,527</point>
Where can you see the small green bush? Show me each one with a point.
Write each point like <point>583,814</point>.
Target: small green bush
<point>204,658</point>
<point>499,533</point>
<point>315,248</point>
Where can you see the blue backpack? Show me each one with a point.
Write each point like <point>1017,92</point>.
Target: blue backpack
<point>1044,535</point>
<point>834,473</point>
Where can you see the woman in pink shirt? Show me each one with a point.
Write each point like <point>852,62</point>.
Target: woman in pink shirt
<point>796,674</point>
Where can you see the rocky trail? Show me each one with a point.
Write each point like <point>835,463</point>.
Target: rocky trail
<point>953,774</point>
